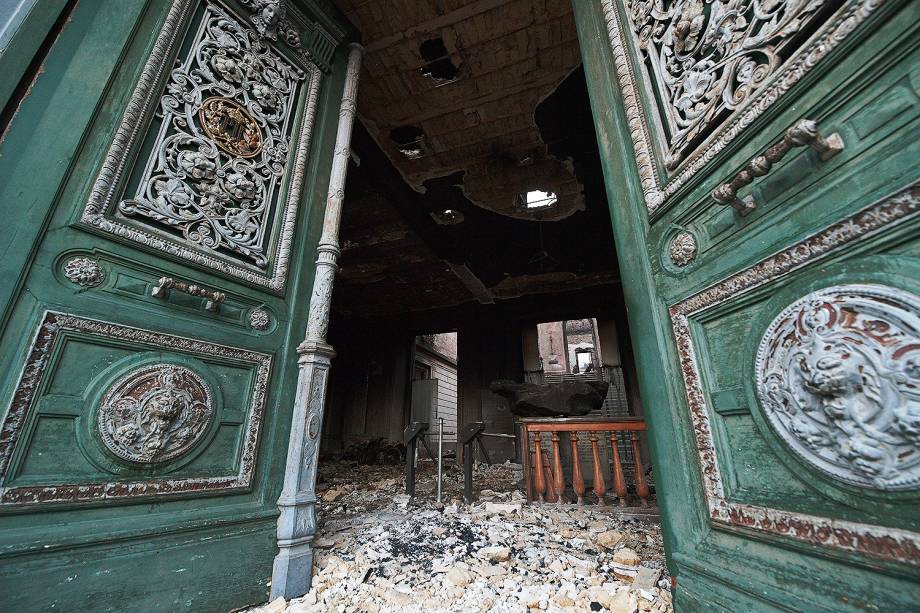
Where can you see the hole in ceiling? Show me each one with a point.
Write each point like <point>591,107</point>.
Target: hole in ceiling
<point>536,199</point>
<point>439,67</point>
<point>410,140</point>
<point>447,217</point>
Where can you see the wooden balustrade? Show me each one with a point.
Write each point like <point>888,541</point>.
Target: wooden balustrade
<point>545,479</point>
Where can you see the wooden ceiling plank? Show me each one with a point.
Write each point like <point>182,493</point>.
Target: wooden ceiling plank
<point>433,24</point>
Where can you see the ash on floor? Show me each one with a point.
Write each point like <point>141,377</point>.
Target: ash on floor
<point>377,552</point>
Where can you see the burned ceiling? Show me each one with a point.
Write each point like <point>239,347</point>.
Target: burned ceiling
<point>464,108</point>
<point>449,88</point>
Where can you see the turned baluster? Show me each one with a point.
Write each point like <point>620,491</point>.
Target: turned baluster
<point>558,477</point>
<point>599,486</point>
<point>530,474</point>
<point>578,482</point>
<point>550,480</point>
<point>539,485</point>
<point>641,485</point>
<point>619,481</point>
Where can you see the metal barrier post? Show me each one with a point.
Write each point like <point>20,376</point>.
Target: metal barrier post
<point>440,454</point>
<point>410,438</point>
<point>468,436</point>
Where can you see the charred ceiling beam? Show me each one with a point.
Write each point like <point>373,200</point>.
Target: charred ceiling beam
<point>598,301</point>
<point>460,103</point>
<point>472,283</point>
<point>513,61</point>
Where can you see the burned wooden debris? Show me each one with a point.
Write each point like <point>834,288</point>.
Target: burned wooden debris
<point>565,398</point>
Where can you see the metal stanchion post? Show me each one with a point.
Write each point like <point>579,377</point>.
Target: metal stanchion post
<point>440,454</point>
<point>468,436</point>
<point>410,468</point>
<point>413,433</point>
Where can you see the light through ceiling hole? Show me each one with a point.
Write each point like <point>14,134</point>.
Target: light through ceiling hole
<point>439,67</point>
<point>447,217</point>
<point>537,199</point>
<point>410,140</point>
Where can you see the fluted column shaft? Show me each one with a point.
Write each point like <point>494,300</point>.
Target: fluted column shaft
<point>292,570</point>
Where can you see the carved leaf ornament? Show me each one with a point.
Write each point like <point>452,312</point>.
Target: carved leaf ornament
<point>682,249</point>
<point>155,413</point>
<point>838,376</point>
<point>216,167</point>
<point>706,58</point>
<point>84,271</point>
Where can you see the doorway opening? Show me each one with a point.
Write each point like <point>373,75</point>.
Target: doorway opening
<point>479,213</point>
<point>434,389</point>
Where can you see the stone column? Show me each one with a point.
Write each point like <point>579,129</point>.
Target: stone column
<point>292,570</point>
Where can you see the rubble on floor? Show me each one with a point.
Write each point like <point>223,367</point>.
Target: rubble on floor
<point>375,451</point>
<point>378,552</point>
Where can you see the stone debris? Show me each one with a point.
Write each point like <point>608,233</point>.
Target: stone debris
<point>625,563</point>
<point>275,606</point>
<point>332,495</point>
<point>609,539</point>
<point>646,578</point>
<point>495,554</point>
<point>379,552</point>
<point>458,576</point>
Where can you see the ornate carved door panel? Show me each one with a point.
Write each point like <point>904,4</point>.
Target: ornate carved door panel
<point>167,157</point>
<point>762,176</point>
<point>226,146</point>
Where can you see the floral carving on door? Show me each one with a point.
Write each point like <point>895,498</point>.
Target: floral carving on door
<point>682,249</point>
<point>838,376</point>
<point>704,59</point>
<point>208,162</point>
<point>217,162</point>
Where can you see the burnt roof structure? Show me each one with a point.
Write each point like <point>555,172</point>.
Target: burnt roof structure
<point>475,177</point>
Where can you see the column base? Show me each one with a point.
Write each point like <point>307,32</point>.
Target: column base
<point>292,571</point>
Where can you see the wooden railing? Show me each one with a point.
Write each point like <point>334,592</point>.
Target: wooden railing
<point>543,473</point>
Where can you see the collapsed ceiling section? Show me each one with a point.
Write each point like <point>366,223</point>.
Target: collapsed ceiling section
<point>449,89</point>
<point>443,212</point>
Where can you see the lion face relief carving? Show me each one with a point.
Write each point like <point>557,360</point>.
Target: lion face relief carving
<point>838,376</point>
<point>155,413</point>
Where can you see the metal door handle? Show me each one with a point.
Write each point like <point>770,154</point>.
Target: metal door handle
<point>803,133</point>
<point>166,284</point>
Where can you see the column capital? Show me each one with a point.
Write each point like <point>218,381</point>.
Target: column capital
<point>320,349</point>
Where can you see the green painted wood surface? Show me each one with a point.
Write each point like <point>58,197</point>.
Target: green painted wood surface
<point>27,27</point>
<point>183,552</point>
<point>870,92</point>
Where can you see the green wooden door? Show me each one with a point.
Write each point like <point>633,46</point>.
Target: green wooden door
<point>162,188</point>
<point>778,349</point>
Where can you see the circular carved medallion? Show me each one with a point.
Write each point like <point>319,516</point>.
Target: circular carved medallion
<point>155,413</point>
<point>231,127</point>
<point>682,249</point>
<point>84,271</point>
<point>260,319</point>
<point>838,376</point>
